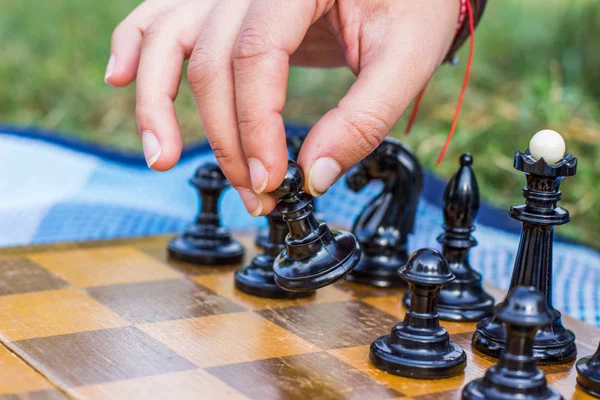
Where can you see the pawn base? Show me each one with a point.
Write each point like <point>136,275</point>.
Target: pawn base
<point>553,344</point>
<point>478,390</point>
<point>407,363</point>
<point>588,378</point>
<point>458,315</point>
<point>378,271</point>
<point>464,300</point>
<point>257,280</point>
<point>321,267</point>
<point>206,251</point>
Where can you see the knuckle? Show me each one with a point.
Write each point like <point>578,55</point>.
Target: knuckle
<point>152,33</point>
<point>224,157</point>
<point>251,44</point>
<point>248,126</point>
<point>204,67</point>
<point>367,130</point>
<point>141,112</point>
<point>227,160</point>
<point>144,106</point>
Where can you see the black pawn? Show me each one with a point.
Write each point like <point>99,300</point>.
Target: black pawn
<point>383,226</point>
<point>516,376</point>
<point>588,373</point>
<point>314,255</point>
<point>553,344</point>
<point>419,347</point>
<point>207,242</point>
<point>463,299</point>
<point>294,143</point>
<point>258,278</point>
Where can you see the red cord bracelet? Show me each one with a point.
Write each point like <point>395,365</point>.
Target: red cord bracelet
<point>461,15</point>
<point>465,10</point>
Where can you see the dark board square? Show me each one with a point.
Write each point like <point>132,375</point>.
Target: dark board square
<point>20,275</point>
<point>93,357</point>
<point>333,325</point>
<point>464,341</point>
<point>448,395</point>
<point>161,255</point>
<point>361,291</point>
<point>37,395</point>
<point>162,300</point>
<point>307,376</point>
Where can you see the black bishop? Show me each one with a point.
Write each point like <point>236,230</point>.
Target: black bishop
<point>463,299</point>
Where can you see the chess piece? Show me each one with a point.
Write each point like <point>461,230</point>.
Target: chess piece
<point>262,237</point>
<point>258,278</point>
<point>516,375</point>
<point>294,143</point>
<point>588,373</point>
<point>419,347</point>
<point>383,226</point>
<point>463,299</point>
<point>547,144</point>
<point>315,256</point>
<point>207,242</point>
<point>533,265</point>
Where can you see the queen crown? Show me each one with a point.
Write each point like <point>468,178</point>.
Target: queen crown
<point>525,162</point>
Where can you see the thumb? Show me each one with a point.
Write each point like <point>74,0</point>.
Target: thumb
<point>384,88</point>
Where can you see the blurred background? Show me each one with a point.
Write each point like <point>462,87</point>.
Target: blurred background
<point>537,65</point>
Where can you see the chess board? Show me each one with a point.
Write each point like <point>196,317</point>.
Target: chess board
<point>118,319</point>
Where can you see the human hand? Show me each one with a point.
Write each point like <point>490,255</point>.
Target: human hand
<point>240,52</point>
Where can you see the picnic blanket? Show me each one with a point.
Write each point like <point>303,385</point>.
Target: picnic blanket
<point>54,189</point>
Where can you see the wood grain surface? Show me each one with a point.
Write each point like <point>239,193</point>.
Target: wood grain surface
<point>118,319</point>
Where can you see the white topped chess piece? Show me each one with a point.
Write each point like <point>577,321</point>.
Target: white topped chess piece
<point>547,144</point>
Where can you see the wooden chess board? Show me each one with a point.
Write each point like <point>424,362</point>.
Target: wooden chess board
<point>119,320</point>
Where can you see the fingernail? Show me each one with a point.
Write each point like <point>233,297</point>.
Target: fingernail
<point>110,68</point>
<point>322,175</point>
<point>151,147</point>
<point>251,201</point>
<point>258,175</point>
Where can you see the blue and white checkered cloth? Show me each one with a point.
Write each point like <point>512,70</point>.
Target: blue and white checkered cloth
<point>58,190</point>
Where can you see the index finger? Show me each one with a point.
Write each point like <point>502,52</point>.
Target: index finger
<point>271,32</point>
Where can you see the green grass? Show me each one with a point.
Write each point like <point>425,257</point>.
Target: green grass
<point>537,65</point>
